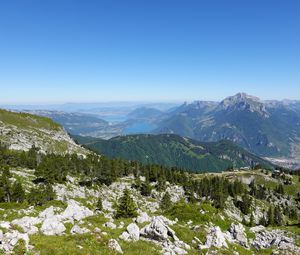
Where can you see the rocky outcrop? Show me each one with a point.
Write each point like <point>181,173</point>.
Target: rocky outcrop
<point>78,230</point>
<point>214,238</point>
<point>277,239</point>
<point>10,239</point>
<point>238,234</point>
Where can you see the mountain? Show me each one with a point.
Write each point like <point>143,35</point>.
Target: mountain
<point>264,128</point>
<point>21,131</point>
<point>175,151</point>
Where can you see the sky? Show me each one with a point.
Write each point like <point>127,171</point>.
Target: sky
<point>56,51</point>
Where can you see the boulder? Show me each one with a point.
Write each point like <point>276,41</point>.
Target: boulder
<point>75,211</point>
<point>142,218</point>
<point>237,232</point>
<point>214,238</point>
<point>133,231</point>
<point>27,224</point>
<point>158,230</point>
<point>114,245</point>
<point>110,225</point>
<point>52,226</point>
<point>78,230</point>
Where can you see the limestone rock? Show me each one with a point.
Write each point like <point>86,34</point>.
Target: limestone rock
<point>52,226</point>
<point>114,245</point>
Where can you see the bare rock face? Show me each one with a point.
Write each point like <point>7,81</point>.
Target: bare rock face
<point>143,217</point>
<point>115,246</point>
<point>133,231</point>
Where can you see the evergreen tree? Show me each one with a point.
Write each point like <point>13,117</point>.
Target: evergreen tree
<point>18,193</point>
<point>251,222</point>
<point>271,216</point>
<point>280,189</point>
<point>126,207</point>
<point>165,202</point>
<point>99,205</point>
<point>146,189</point>
<point>278,218</point>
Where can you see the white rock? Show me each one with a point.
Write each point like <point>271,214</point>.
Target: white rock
<point>237,232</point>
<point>53,226</point>
<point>110,225</point>
<point>214,238</point>
<point>143,217</point>
<point>133,231</point>
<point>27,224</point>
<point>114,245</point>
<point>75,211</point>
<point>78,230</point>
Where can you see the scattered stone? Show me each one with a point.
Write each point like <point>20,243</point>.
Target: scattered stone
<point>78,230</point>
<point>237,232</point>
<point>110,225</point>
<point>114,245</point>
<point>214,238</point>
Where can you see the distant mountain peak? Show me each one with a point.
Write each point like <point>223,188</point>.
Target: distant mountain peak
<point>244,102</point>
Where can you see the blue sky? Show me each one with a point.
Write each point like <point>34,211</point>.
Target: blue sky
<point>55,51</point>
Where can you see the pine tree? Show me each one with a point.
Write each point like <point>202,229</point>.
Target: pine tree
<point>18,193</point>
<point>126,207</point>
<point>280,189</point>
<point>251,222</point>
<point>146,189</point>
<point>278,218</point>
<point>99,205</point>
<point>271,216</point>
<point>166,203</point>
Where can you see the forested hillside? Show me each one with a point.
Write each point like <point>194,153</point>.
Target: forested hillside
<point>175,151</point>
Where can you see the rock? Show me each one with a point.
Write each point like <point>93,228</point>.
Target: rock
<point>143,217</point>
<point>214,238</point>
<point>75,211</point>
<point>5,224</point>
<point>97,230</point>
<point>47,213</point>
<point>158,230</point>
<point>237,232</point>
<point>27,224</point>
<point>10,239</point>
<point>52,226</point>
<point>114,245</point>
<point>257,229</point>
<point>133,231</point>
<point>78,230</point>
<point>176,193</point>
<point>125,236</point>
<point>277,239</point>
<point>110,225</point>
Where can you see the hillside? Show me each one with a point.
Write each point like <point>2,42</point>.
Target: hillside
<point>175,151</point>
<point>21,131</point>
<point>73,205</point>
<point>264,128</point>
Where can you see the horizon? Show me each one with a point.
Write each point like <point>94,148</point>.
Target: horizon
<point>57,52</point>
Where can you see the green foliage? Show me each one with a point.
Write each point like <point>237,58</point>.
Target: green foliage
<point>271,220</point>
<point>278,218</point>
<point>126,207</point>
<point>99,205</point>
<point>165,203</point>
<point>173,151</point>
<point>17,192</point>
<point>41,194</point>
<point>146,189</point>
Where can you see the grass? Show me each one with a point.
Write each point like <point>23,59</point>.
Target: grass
<point>27,121</point>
